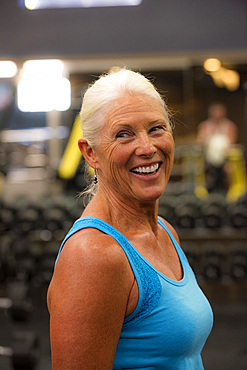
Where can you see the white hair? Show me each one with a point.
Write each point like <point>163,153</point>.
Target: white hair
<point>98,97</point>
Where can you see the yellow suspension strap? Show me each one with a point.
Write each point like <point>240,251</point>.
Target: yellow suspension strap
<point>200,189</point>
<point>237,174</point>
<point>72,155</point>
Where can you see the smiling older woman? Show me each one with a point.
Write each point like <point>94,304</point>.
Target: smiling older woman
<point>123,295</point>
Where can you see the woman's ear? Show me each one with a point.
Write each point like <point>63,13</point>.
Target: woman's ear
<point>88,153</point>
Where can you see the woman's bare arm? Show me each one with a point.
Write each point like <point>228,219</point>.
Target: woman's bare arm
<point>87,301</point>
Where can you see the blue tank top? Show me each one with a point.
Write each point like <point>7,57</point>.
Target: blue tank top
<point>172,319</point>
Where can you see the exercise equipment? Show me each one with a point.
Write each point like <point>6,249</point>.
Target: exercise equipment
<point>237,174</point>
<point>166,209</point>
<point>211,269</point>
<point>200,189</point>
<point>8,218</point>
<point>24,351</point>
<point>187,211</point>
<point>193,255</point>
<point>29,218</point>
<point>72,155</point>
<point>238,216</point>
<point>213,262</point>
<point>46,264</point>
<point>238,212</point>
<point>18,302</point>
<point>23,257</point>
<point>55,216</point>
<point>238,265</point>
<point>214,211</point>
<point>7,262</point>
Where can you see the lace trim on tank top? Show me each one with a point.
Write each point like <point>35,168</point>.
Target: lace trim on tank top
<point>149,287</point>
<point>148,282</point>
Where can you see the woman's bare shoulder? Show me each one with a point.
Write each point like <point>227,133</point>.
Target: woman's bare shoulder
<point>90,243</point>
<point>88,255</point>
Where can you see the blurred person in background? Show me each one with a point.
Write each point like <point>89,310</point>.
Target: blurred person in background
<point>217,134</point>
<point>217,123</point>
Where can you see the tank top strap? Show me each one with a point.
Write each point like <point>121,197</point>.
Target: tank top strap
<point>179,250</point>
<point>149,286</point>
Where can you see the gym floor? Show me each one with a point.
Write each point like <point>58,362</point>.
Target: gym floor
<point>225,349</point>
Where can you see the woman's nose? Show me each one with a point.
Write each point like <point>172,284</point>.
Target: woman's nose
<point>145,146</point>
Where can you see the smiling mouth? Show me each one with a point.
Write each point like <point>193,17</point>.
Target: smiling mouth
<point>150,170</point>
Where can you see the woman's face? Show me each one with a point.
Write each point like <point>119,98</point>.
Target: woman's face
<point>135,153</point>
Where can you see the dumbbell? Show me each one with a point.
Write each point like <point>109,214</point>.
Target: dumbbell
<point>212,268</point>
<point>7,262</point>
<point>238,213</point>
<point>17,258</point>
<point>18,302</point>
<point>192,253</point>
<point>7,218</point>
<point>214,211</point>
<point>187,210</point>
<point>46,265</point>
<point>29,218</point>
<point>166,209</point>
<point>55,218</point>
<point>24,258</point>
<point>238,268</point>
<point>24,351</point>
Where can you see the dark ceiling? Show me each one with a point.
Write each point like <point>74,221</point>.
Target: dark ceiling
<point>155,26</point>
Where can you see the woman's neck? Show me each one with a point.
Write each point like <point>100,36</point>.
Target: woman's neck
<point>124,214</point>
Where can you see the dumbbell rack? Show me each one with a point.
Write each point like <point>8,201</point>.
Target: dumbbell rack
<point>19,343</point>
<point>213,234</point>
<point>219,260</point>
<point>31,234</point>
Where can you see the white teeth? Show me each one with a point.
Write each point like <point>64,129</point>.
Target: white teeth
<point>146,169</point>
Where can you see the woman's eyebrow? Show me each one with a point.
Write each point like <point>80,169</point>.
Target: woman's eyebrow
<point>125,125</point>
<point>159,121</point>
<point>122,125</point>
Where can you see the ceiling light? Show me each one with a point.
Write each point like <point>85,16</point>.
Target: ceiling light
<point>42,87</point>
<point>43,4</point>
<point>226,78</point>
<point>8,69</point>
<point>232,80</point>
<point>212,65</point>
<point>31,4</point>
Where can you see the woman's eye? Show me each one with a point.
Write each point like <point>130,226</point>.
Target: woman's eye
<point>123,134</point>
<point>157,128</point>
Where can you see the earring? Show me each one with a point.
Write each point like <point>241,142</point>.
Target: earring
<point>95,180</point>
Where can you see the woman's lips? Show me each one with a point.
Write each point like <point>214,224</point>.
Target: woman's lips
<point>148,169</point>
